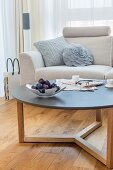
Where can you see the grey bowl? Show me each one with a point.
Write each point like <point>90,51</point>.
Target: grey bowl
<point>48,92</point>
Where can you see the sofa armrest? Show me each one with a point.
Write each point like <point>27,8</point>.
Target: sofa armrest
<point>29,62</point>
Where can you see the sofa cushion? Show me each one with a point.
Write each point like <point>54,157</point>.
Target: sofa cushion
<point>51,51</point>
<point>59,72</point>
<point>77,55</point>
<point>92,31</point>
<point>109,74</point>
<point>100,47</point>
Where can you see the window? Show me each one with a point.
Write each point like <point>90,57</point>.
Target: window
<point>74,4</point>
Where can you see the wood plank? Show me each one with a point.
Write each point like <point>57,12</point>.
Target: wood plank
<point>23,158</point>
<point>40,138</point>
<point>41,162</point>
<point>99,166</point>
<point>20,121</point>
<point>88,130</point>
<point>99,115</point>
<point>99,141</point>
<point>90,149</point>
<point>66,158</point>
<point>84,160</point>
<point>110,139</point>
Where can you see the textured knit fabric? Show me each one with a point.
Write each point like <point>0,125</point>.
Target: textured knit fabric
<point>77,55</point>
<point>51,51</point>
<point>100,47</point>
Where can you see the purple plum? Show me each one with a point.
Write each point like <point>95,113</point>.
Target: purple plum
<point>42,81</point>
<point>47,83</point>
<point>45,86</point>
<point>39,86</point>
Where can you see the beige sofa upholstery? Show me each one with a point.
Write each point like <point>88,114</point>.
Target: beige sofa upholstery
<point>96,39</point>
<point>55,72</point>
<point>96,31</point>
<point>109,74</point>
<point>29,62</point>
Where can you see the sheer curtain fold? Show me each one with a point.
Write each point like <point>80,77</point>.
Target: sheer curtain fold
<point>11,32</point>
<point>2,60</point>
<point>53,15</point>
<point>20,8</point>
<point>8,40</point>
<point>19,26</point>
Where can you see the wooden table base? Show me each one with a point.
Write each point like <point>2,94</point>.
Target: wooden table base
<point>78,138</point>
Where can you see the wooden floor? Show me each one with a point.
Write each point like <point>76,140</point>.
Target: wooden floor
<point>43,156</point>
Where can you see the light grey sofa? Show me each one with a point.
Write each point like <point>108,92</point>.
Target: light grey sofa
<point>97,39</point>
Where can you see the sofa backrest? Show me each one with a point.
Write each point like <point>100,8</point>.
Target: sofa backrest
<point>97,39</point>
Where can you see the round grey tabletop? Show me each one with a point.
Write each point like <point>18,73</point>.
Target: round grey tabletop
<point>101,98</point>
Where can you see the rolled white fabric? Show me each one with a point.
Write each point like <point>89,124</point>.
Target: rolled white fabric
<point>91,31</point>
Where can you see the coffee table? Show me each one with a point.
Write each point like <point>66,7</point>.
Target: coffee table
<point>71,100</point>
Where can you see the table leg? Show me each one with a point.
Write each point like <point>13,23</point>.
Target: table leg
<point>20,121</point>
<point>98,115</point>
<point>110,140</point>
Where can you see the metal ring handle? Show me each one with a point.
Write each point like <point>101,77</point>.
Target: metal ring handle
<point>9,59</point>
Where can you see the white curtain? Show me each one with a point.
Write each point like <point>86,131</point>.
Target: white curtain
<point>1,52</point>
<point>53,15</point>
<point>11,33</point>
<point>7,36</point>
